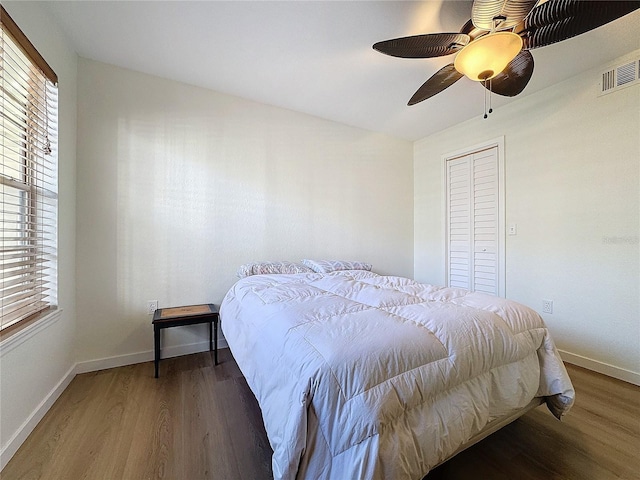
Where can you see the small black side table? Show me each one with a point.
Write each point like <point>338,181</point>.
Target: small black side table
<point>180,316</point>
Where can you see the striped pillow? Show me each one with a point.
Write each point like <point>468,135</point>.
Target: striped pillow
<point>326,266</point>
<point>261,268</point>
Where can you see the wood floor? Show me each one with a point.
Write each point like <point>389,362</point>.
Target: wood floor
<point>198,422</point>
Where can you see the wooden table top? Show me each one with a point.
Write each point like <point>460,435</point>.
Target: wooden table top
<point>187,311</point>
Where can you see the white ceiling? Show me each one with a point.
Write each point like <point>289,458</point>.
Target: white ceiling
<point>315,56</point>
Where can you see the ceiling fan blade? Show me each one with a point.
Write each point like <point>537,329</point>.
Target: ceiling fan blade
<point>423,46</point>
<point>512,80</point>
<point>443,78</point>
<point>470,29</point>
<point>484,13</point>
<point>558,20</point>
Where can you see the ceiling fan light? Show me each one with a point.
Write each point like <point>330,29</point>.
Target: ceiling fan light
<point>487,56</point>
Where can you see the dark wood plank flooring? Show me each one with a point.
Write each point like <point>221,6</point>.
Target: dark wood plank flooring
<point>198,421</point>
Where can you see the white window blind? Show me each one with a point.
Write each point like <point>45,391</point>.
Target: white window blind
<point>28,179</point>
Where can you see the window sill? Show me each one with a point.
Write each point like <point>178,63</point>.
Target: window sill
<point>20,335</point>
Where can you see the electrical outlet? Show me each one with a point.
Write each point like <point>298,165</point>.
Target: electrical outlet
<point>152,306</point>
<point>547,306</point>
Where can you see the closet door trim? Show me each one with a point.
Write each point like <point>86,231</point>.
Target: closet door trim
<point>499,143</point>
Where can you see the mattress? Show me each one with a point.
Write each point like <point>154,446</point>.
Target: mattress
<point>365,376</point>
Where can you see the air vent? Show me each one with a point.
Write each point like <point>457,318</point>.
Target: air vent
<point>619,77</point>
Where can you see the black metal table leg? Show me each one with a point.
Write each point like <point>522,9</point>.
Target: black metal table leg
<point>156,341</point>
<point>215,333</point>
<point>210,336</point>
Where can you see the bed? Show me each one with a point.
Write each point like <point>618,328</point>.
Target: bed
<point>365,376</point>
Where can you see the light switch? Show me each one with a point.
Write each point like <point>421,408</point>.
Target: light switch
<point>513,229</point>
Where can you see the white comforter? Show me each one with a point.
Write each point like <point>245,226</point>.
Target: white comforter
<point>361,376</point>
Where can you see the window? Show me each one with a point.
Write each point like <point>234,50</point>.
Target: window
<point>28,179</point>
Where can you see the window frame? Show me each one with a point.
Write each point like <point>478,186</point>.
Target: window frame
<point>36,212</point>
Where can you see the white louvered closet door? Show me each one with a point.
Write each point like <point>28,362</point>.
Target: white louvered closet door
<point>472,221</point>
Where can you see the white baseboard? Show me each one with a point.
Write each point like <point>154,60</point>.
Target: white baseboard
<point>148,356</point>
<point>32,421</point>
<point>601,367</point>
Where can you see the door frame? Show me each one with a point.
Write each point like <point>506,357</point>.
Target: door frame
<point>501,237</point>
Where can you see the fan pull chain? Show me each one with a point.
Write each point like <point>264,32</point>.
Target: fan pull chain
<point>490,94</point>
<point>485,98</point>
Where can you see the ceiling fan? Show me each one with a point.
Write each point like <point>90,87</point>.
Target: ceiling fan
<point>493,47</point>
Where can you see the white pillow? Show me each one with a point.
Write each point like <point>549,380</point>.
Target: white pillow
<point>260,268</point>
<point>326,266</point>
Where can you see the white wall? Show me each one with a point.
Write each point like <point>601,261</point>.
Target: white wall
<point>178,186</point>
<point>36,366</point>
<point>572,188</point>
